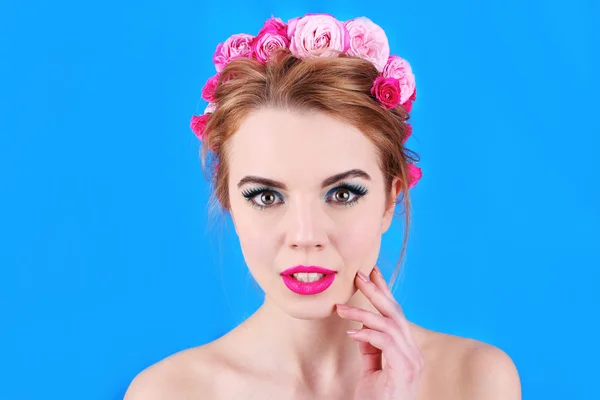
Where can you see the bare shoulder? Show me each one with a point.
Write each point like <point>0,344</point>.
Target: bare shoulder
<point>467,369</point>
<point>177,377</point>
<point>489,373</point>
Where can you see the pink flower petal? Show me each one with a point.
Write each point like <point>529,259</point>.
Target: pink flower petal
<point>236,46</point>
<point>198,125</point>
<point>274,25</point>
<point>317,35</point>
<point>414,175</point>
<point>399,68</point>
<point>368,41</point>
<point>266,43</point>
<point>208,91</point>
<point>387,91</point>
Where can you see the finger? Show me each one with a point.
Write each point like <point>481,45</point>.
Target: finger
<point>379,280</point>
<point>372,358</point>
<point>369,319</point>
<point>394,358</point>
<point>382,324</point>
<point>387,306</point>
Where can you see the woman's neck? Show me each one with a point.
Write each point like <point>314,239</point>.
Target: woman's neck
<point>316,352</point>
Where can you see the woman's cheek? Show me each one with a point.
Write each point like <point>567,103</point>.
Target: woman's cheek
<point>361,242</point>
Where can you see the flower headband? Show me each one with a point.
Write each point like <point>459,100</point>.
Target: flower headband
<point>314,36</point>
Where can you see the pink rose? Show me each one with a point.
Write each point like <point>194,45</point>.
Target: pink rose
<point>265,43</point>
<point>409,103</point>
<point>274,25</point>
<point>208,91</point>
<point>400,69</point>
<point>317,35</point>
<point>368,41</point>
<point>210,108</point>
<point>414,175</point>
<point>238,45</point>
<point>407,133</point>
<point>387,91</point>
<point>198,124</point>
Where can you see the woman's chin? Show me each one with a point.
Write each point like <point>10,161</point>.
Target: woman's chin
<point>314,314</point>
<point>311,309</point>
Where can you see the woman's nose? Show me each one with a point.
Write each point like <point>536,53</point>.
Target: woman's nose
<point>305,226</point>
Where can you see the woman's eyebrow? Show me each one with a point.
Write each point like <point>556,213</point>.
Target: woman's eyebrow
<point>353,173</point>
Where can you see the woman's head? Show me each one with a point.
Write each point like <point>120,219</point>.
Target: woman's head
<point>310,167</point>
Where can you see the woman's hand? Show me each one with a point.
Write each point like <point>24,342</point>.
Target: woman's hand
<point>384,336</point>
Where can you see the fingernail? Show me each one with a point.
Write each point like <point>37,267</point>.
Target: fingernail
<point>363,277</point>
<point>378,271</point>
<point>342,307</point>
<point>352,331</point>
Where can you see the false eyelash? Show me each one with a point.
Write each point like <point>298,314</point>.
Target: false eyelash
<point>357,190</point>
<point>250,193</point>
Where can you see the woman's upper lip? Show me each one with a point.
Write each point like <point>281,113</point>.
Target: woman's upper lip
<point>307,268</point>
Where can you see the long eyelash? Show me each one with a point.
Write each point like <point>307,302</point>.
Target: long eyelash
<point>358,190</point>
<point>251,193</point>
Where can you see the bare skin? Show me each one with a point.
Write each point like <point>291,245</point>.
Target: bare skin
<point>243,365</point>
<point>297,346</point>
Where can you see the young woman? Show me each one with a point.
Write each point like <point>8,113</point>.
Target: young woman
<point>306,127</point>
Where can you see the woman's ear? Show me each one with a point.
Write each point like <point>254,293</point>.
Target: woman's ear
<point>396,188</point>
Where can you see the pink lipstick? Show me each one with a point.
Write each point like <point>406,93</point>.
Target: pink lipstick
<point>298,283</point>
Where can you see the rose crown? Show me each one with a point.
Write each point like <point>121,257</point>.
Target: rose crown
<point>314,36</point>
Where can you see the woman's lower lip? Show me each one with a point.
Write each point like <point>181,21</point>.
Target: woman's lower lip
<point>306,288</point>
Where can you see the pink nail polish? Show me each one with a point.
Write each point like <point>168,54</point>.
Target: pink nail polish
<point>352,331</point>
<point>363,277</point>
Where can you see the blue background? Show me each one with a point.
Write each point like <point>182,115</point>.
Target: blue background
<point>108,259</point>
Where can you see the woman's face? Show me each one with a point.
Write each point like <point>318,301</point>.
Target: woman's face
<point>288,210</point>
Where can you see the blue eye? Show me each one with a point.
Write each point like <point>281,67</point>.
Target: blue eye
<point>343,195</point>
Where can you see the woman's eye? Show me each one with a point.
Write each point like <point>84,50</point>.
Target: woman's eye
<point>265,198</point>
<point>344,196</point>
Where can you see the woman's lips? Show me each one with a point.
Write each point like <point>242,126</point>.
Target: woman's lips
<point>307,268</point>
<point>308,288</point>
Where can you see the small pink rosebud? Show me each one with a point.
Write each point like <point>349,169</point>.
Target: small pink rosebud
<point>414,175</point>
<point>198,125</point>
<point>274,24</point>
<point>208,91</point>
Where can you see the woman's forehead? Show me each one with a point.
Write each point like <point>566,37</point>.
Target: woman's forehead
<point>276,138</point>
